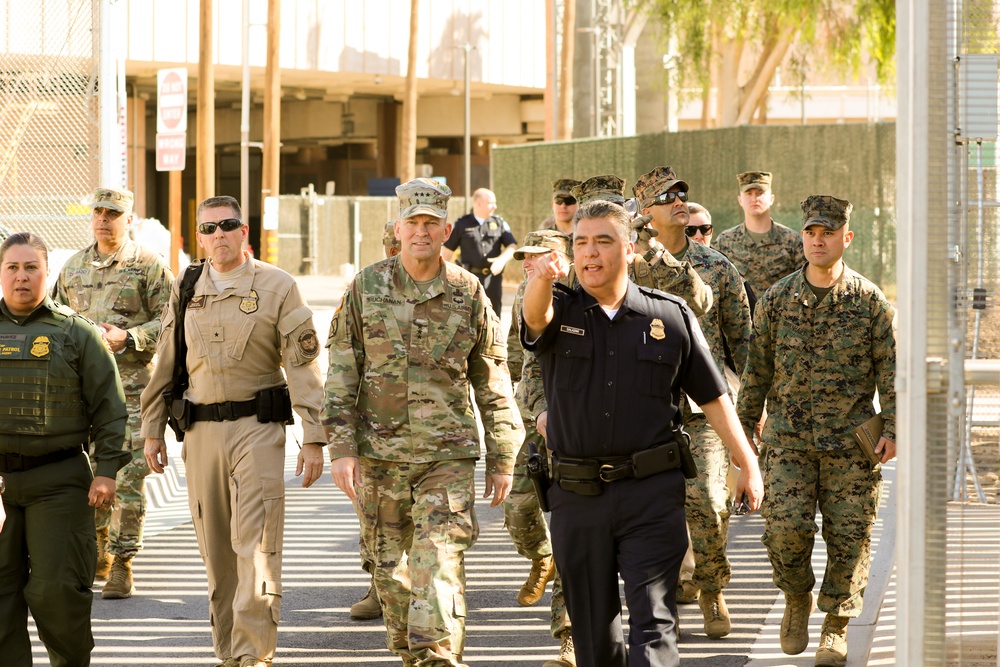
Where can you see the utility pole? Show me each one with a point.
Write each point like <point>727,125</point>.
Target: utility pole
<point>270,181</point>
<point>205,149</point>
<point>408,144</point>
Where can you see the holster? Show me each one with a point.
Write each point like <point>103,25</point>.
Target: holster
<point>274,405</point>
<point>688,465</point>
<point>538,473</point>
<point>178,414</point>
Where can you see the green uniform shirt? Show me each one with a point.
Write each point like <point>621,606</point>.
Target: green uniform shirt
<point>402,361</point>
<point>817,364</point>
<point>762,263</point>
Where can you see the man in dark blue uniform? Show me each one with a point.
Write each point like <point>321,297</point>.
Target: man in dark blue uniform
<point>614,358</point>
<point>486,243</point>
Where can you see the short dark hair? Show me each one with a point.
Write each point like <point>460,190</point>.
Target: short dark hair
<point>599,209</point>
<point>694,207</point>
<point>219,202</point>
<point>28,239</point>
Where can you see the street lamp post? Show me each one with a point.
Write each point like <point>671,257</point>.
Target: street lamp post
<point>468,138</point>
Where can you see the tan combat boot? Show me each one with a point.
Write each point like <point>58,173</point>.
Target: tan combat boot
<point>542,570</point>
<point>103,557</point>
<point>367,607</point>
<point>119,586</point>
<point>716,614</point>
<point>229,662</point>
<point>567,655</point>
<point>687,592</point>
<point>832,650</point>
<point>795,622</point>
<point>253,662</point>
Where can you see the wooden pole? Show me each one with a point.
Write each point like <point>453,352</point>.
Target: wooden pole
<point>408,144</point>
<point>565,97</point>
<point>174,217</point>
<point>205,185</point>
<point>270,177</point>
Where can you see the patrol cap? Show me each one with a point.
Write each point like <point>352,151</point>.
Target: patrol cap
<point>116,199</point>
<point>607,187</point>
<point>754,180</point>
<point>423,196</point>
<point>825,210</point>
<point>563,187</point>
<point>655,183</point>
<point>389,240</point>
<point>542,241</point>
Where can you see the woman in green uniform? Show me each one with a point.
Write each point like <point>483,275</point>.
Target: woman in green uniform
<point>59,390</point>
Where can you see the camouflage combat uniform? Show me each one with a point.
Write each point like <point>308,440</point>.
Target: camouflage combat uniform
<point>707,505</point>
<point>128,290</point>
<point>402,359</point>
<point>762,263</point>
<point>817,364</point>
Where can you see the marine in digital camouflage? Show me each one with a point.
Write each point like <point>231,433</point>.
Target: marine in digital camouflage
<point>607,187</point>
<point>817,363</point>
<point>402,360</point>
<point>128,290</point>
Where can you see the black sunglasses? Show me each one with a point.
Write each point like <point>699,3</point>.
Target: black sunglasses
<point>691,230</point>
<point>228,225</point>
<point>669,197</point>
<point>567,201</point>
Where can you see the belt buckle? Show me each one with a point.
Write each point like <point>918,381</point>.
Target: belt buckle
<point>13,462</point>
<point>607,472</point>
<point>225,411</point>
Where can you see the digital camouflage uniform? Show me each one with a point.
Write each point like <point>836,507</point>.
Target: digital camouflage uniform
<point>525,522</point>
<point>817,364</point>
<point>761,263</point>
<point>128,290</point>
<point>402,359</point>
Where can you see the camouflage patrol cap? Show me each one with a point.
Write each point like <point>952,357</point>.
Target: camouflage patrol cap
<point>655,183</point>
<point>423,196</point>
<point>754,180</point>
<point>825,210</point>
<point>542,241</point>
<point>563,187</point>
<point>389,240</point>
<point>116,199</point>
<point>608,187</point>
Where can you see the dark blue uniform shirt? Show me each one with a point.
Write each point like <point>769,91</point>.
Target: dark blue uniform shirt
<point>480,243</point>
<point>613,386</point>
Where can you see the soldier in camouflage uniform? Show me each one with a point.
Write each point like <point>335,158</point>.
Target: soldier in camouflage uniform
<point>564,206</point>
<point>368,607</point>
<point>824,341</point>
<point>763,250</point>
<point>123,287</point>
<point>661,194</point>
<point>411,337</point>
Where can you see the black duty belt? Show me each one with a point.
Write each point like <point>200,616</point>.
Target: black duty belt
<point>14,462</point>
<point>485,271</point>
<point>587,476</point>
<point>223,412</point>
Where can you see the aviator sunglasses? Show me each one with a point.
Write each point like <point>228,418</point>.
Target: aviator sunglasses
<point>669,197</point>
<point>228,225</point>
<point>691,230</point>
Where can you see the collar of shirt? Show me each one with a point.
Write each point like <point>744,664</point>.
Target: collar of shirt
<point>481,221</point>
<point>631,294</point>
<point>409,288</point>
<point>94,257</point>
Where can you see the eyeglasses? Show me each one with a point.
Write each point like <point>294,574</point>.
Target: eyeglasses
<point>564,201</point>
<point>691,230</point>
<point>228,225</point>
<point>669,197</point>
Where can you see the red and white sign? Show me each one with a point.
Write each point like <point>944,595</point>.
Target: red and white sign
<point>172,100</point>
<point>171,151</point>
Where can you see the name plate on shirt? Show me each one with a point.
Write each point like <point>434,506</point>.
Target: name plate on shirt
<point>571,330</point>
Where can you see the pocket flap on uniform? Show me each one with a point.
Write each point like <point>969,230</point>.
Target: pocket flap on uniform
<point>272,588</point>
<point>294,319</point>
<point>658,354</point>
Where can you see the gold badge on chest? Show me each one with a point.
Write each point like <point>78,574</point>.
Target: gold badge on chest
<point>656,329</point>
<point>40,346</point>
<point>249,303</point>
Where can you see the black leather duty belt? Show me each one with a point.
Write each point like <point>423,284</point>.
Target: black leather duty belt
<point>485,271</point>
<point>223,412</point>
<point>586,476</point>
<point>13,462</point>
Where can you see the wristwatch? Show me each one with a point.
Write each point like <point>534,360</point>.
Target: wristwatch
<point>3,487</point>
<point>129,341</point>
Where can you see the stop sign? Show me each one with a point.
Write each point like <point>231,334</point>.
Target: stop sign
<point>171,100</point>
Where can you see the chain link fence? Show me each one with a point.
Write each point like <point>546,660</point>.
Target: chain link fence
<point>49,111</point>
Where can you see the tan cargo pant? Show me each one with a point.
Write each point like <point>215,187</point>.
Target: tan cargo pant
<point>236,492</point>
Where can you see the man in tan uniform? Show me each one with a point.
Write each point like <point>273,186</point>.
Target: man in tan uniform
<point>244,324</point>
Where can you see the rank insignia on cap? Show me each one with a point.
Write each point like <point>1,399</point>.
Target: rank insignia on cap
<point>656,329</point>
<point>249,303</point>
<point>40,346</point>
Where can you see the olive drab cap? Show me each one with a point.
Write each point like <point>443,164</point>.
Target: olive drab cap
<point>655,183</point>
<point>608,187</point>
<point>825,210</point>
<point>563,187</point>
<point>389,240</point>
<point>754,180</point>
<point>423,196</point>
<point>543,241</point>
<point>116,199</point>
